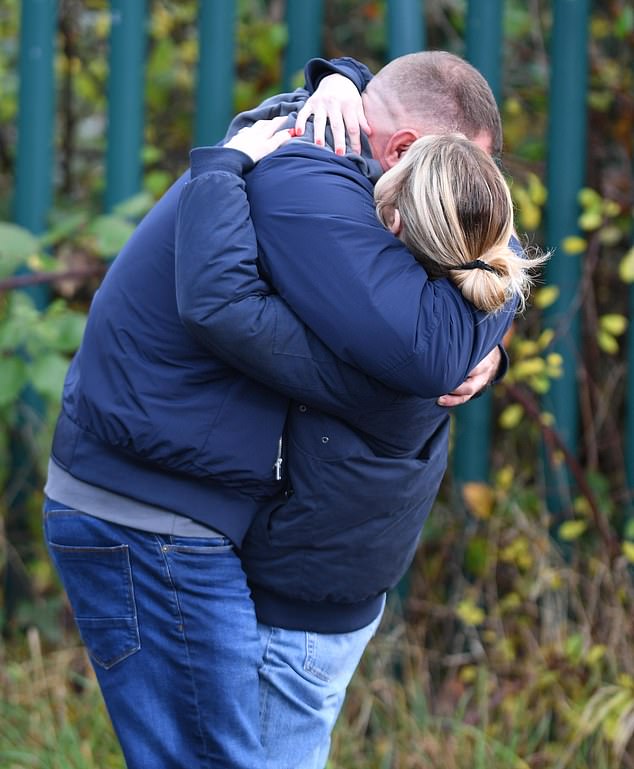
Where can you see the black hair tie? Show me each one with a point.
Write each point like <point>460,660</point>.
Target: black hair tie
<point>476,264</point>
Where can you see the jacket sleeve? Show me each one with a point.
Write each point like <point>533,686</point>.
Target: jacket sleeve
<point>289,103</point>
<point>317,69</point>
<point>354,284</point>
<point>224,303</point>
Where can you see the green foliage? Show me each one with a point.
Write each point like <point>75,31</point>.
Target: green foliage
<point>516,650</point>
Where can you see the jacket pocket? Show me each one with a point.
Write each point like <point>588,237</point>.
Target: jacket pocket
<point>98,581</point>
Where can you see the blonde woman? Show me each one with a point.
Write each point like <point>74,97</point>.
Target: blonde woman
<point>449,203</point>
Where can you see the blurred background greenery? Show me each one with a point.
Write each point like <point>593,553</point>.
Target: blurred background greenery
<point>510,643</point>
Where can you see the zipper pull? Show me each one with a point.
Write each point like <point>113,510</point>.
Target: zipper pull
<point>277,466</point>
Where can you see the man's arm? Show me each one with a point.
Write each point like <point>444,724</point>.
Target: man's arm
<point>354,284</point>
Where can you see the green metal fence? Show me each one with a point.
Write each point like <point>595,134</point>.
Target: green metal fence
<point>405,32</point>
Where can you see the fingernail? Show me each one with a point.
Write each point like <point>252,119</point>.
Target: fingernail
<point>299,132</point>
<point>319,141</point>
<point>293,132</point>
<point>339,151</point>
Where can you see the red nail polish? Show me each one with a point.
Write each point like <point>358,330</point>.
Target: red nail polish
<point>299,132</point>
<point>292,131</point>
<point>319,142</point>
<point>339,151</point>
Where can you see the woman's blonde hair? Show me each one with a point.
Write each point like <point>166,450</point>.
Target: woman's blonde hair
<point>456,217</point>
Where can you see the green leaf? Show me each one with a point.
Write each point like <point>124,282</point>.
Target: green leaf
<point>12,379</point>
<point>110,234</point>
<point>47,375</point>
<point>16,246</point>
<point>69,223</point>
<point>65,330</point>
<point>135,207</point>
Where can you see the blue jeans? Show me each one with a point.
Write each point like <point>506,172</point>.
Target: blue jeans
<point>170,628</point>
<point>303,681</point>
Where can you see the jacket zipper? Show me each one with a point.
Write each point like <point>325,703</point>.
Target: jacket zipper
<point>277,466</point>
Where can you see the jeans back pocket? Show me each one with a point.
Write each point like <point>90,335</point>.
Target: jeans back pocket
<point>98,581</point>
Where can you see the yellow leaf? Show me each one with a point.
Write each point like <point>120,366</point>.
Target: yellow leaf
<point>479,498</point>
<point>536,190</point>
<point>610,235</point>
<point>529,367</point>
<point>545,338</point>
<point>539,384</point>
<point>569,531</point>
<point>573,245</point>
<point>526,348</point>
<point>468,674</point>
<point>504,477</point>
<point>529,215</point>
<point>590,220</point>
<point>596,653</point>
<point>628,551</point>
<point>589,198</point>
<point>511,416</point>
<point>581,506</point>
<point>547,419</point>
<point>469,613</point>
<point>613,323</point>
<point>611,208</point>
<point>607,342</point>
<point>513,106</point>
<point>546,296</point>
<point>554,359</point>
<point>626,267</point>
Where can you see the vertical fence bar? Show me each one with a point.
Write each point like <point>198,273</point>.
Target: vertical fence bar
<point>472,445</point>
<point>304,20</point>
<point>31,204</point>
<point>34,159</point>
<point>216,72</point>
<point>125,100</point>
<point>406,27</point>
<point>565,177</point>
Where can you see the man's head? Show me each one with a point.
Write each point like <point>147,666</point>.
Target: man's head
<point>431,92</point>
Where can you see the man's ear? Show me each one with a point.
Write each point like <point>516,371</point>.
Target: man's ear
<point>398,143</point>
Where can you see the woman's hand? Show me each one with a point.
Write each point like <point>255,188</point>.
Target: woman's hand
<point>261,138</point>
<point>337,100</point>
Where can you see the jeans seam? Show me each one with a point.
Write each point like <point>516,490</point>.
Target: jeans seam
<point>164,550</point>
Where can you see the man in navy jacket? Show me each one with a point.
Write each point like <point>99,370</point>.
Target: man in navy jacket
<point>162,456</point>
<point>363,461</point>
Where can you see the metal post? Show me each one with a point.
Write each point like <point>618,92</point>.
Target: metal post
<point>34,160</point>
<point>565,177</point>
<point>125,100</point>
<point>406,27</point>
<point>31,204</point>
<point>304,19</point>
<point>472,446</point>
<point>216,72</point>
